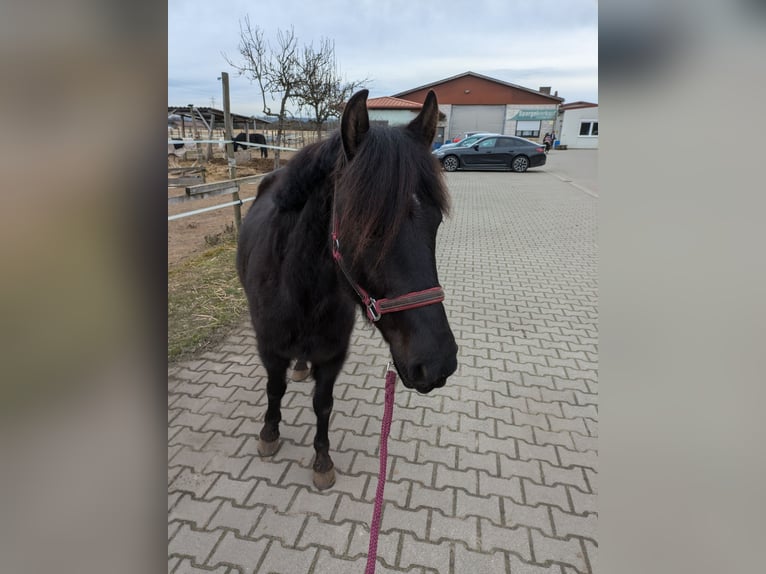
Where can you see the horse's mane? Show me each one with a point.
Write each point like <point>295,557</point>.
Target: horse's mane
<point>374,192</point>
<point>376,189</point>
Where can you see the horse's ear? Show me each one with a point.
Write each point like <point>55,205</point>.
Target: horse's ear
<point>355,123</point>
<point>424,125</point>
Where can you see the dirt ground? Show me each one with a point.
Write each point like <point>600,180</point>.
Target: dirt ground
<point>187,236</point>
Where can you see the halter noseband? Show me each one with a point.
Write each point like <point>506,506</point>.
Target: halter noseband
<point>376,308</point>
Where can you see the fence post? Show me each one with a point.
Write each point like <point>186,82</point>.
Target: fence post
<point>230,148</point>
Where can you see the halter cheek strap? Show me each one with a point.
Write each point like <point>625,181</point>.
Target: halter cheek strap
<point>376,308</point>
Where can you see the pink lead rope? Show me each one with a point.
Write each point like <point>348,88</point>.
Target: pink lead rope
<point>385,429</point>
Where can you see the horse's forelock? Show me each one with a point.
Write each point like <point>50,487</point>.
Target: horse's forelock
<point>375,189</point>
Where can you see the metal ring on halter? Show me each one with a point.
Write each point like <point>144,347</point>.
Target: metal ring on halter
<point>372,311</point>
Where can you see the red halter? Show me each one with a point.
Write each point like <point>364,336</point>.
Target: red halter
<point>376,308</point>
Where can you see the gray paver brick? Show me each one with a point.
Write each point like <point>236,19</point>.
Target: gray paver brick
<point>544,494</point>
<point>192,510</point>
<point>583,502</point>
<point>185,566</point>
<point>417,553</point>
<point>236,490</point>
<point>240,519</point>
<point>193,543</point>
<point>268,495</point>
<point>326,562</point>
<point>274,524</point>
<point>569,551</point>
<point>516,514</point>
<point>313,502</point>
<point>322,533</point>
<point>536,452</point>
<point>587,459</point>
<point>486,563</point>
<point>495,537</point>
<point>466,479</point>
<point>574,524</point>
<point>469,505</point>
<point>569,476</point>
<point>388,544</point>
<point>394,518</point>
<point>505,485</point>
<point>463,529</point>
<point>245,553</point>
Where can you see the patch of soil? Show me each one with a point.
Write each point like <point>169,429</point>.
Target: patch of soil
<point>194,234</point>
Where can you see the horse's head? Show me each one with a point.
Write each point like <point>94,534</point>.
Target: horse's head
<point>390,200</point>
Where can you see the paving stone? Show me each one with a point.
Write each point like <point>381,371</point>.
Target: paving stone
<point>469,505</point>
<point>463,529</point>
<point>544,494</point>
<point>314,502</point>
<point>185,566</point>
<point>516,514</point>
<point>271,496</point>
<point>193,543</point>
<point>432,498</point>
<point>323,533</point>
<point>486,563</point>
<point>326,562</point>
<point>567,524</point>
<point>245,553</point>
<point>564,475</point>
<point>399,519</point>
<point>567,551</point>
<point>495,537</point>
<point>227,488</point>
<point>513,467</point>
<point>388,544</point>
<point>505,485</point>
<point>235,518</point>
<point>535,452</point>
<point>417,553</point>
<point>194,482</point>
<point>466,479</point>
<point>588,459</point>
<point>583,502</point>
<point>192,510</point>
<point>519,566</point>
<point>275,524</point>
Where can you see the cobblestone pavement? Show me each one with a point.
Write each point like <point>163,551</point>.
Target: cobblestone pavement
<point>494,473</point>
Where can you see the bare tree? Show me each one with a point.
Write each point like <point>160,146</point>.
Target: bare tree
<point>321,88</point>
<point>275,68</point>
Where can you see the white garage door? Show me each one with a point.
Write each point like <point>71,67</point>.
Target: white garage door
<point>476,118</point>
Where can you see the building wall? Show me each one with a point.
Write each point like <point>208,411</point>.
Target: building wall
<point>570,128</point>
<point>393,117</point>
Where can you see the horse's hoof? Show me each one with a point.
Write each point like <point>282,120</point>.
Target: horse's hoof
<point>268,448</point>
<point>324,480</point>
<point>301,371</point>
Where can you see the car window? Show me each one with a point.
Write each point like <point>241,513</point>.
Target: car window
<point>489,142</point>
<point>468,141</point>
<point>505,142</point>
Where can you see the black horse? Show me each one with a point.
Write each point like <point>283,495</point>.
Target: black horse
<point>253,138</point>
<point>381,194</point>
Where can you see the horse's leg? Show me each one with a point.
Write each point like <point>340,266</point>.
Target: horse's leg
<point>276,368</point>
<point>324,375</point>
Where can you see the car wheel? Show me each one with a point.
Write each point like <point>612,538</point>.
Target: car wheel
<point>450,163</point>
<point>520,163</point>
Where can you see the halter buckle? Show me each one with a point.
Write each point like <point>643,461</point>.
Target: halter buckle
<point>373,314</point>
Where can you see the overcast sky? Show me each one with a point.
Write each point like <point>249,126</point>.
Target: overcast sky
<point>399,44</point>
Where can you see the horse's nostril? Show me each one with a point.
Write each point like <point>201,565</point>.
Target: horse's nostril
<point>419,373</point>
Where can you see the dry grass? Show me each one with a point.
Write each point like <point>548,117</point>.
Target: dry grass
<point>205,300</point>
